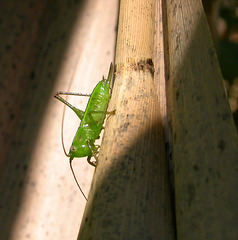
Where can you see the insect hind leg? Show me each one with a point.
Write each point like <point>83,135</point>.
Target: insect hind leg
<point>79,112</point>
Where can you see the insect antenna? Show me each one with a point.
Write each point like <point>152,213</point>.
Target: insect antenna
<point>69,87</point>
<point>62,132</point>
<point>71,167</point>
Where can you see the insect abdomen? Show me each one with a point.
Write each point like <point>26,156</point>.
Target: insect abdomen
<point>98,102</point>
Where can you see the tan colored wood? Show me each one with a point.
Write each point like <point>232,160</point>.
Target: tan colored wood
<point>205,144</point>
<point>129,196</point>
<point>160,65</point>
<point>45,44</point>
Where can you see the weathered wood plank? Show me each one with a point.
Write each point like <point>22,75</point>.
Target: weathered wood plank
<point>129,197</point>
<point>205,144</point>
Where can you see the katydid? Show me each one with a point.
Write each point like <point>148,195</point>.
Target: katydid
<point>92,120</point>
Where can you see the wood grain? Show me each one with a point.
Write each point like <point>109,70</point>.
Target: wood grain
<point>205,143</point>
<point>129,197</point>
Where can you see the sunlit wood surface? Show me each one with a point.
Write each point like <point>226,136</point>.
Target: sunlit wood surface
<point>130,195</point>
<point>44,44</point>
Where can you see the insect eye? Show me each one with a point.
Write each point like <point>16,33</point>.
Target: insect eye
<point>73,149</point>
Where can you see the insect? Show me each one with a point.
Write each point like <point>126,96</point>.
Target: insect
<point>91,125</point>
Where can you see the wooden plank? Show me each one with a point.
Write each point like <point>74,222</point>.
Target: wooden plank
<point>45,45</point>
<point>129,197</point>
<point>205,143</point>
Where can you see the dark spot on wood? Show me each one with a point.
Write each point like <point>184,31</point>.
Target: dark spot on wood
<point>63,35</point>
<point>221,145</point>
<point>8,47</point>
<point>167,76</point>
<point>32,75</point>
<point>145,65</point>
<point>49,74</point>
<point>20,184</point>
<point>105,188</point>
<point>12,185</point>
<point>33,184</point>
<point>12,116</point>
<point>198,98</point>
<point>191,193</point>
<point>211,52</point>
<point>195,167</point>
<point>150,62</point>
<point>17,166</point>
<point>34,86</point>
<point>50,63</point>
<point>124,127</point>
<point>25,167</point>
<point>177,95</point>
<point>225,116</point>
<point>175,137</point>
<point>23,27</point>
<point>105,223</point>
<point>17,34</point>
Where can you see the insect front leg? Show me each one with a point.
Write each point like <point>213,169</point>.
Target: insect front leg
<point>93,163</point>
<point>94,150</point>
<point>97,146</point>
<point>73,94</point>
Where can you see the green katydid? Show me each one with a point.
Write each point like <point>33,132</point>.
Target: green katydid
<point>92,120</point>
